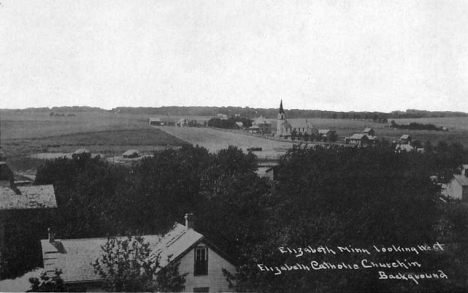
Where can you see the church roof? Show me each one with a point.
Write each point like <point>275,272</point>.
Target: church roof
<point>299,123</point>
<point>281,110</point>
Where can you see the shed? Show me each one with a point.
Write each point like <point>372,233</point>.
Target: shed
<point>154,121</point>
<point>131,154</point>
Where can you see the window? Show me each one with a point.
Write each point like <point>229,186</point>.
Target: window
<point>201,261</point>
<point>201,289</point>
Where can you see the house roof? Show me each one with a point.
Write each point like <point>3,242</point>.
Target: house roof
<point>240,124</point>
<point>155,119</point>
<point>31,197</point>
<point>465,166</point>
<point>367,129</point>
<point>75,256</point>
<point>261,120</point>
<point>81,151</point>
<point>323,131</point>
<point>131,152</point>
<point>358,136</point>
<point>405,136</point>
<point>175,243</point>
<point>463,180</point>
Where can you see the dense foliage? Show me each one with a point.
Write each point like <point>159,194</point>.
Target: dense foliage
<point>126,266</point>
<point>416,126</point>
<point>48,284</point>
<point>322,196</point>
<point>229,123</point>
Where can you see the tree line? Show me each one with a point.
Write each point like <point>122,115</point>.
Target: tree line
<point>321,196</point>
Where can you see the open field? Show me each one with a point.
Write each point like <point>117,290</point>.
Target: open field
<point>23,124</point>
<point>215,140</point>
<point>24,134</point>
<point>452,123</point>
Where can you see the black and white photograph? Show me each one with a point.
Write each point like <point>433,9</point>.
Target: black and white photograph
<point>263,146</point>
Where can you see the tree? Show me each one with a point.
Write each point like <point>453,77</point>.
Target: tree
<point>126,265</point>
<point>48,284</point>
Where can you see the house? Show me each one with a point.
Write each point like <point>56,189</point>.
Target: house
<point>368,131</point>
<point>182,122</point>
<point>358,139</point>
<point>404,148</point>
<point>222,116</point>
<point>81,152</point>
<point>457,188</point>
<point>263,125</point>
<point>326,134</point>
<point>130,154</point>
<point>464,169</point>
<point>240,125</point>
<point>200,259</point>
<point>14,197</point>
<point>154,121</point>
<point>254,129</point>
<point>405,139</point>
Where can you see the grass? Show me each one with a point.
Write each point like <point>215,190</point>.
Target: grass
<point>26,133</point>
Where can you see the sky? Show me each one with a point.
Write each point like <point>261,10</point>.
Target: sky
<point>350,55</point>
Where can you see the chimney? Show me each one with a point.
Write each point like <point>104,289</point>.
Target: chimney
<point>51,236</point>
<point>189,221</point>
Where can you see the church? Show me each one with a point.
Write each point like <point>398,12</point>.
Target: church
<point>284,128</point>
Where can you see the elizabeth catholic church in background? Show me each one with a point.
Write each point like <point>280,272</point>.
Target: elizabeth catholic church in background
<point>285,128</point>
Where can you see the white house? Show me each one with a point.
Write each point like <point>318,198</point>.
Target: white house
<point>200,259</point>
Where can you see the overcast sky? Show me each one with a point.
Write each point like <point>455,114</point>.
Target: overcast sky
<point>350,55</point>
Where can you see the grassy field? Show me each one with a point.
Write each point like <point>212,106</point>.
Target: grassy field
<point>24,134</point>
<point>215,140</point>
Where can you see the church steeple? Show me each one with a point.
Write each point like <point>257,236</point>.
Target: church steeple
<point>281,110</point>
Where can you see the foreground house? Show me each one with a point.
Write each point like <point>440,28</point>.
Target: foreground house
<point>197,257</point>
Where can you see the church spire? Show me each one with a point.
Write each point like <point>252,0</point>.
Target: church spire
<point>281,110</point>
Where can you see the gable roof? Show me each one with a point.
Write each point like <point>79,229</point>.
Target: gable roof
<point>324,131</point>
<point>405,136</point>
<point>367,129</point>
<point>463,180</point>
<point>31,197</point>
<point>261,120</point>
<point>175,243</point>
<point>301,123</point>
<point>358,136</point>
<point>240,124</point>
<point>131,152</point>
<point>155,119</point>
<point>75,256</point>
